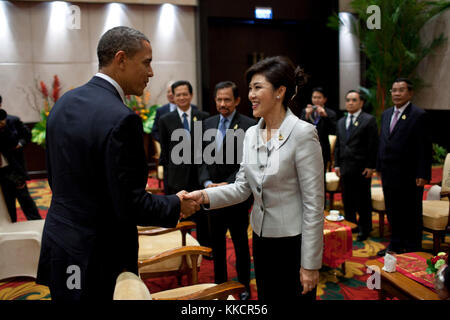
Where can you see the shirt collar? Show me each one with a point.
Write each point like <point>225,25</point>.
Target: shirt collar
<point>172,106</point>
<point>180,112</point>
<point>402,108</point>
<point>113,82</point>
<point>356,114</point>
<point>283,132</point>
<point>229,118</point>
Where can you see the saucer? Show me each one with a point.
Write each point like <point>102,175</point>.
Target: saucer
<point>334,218</point>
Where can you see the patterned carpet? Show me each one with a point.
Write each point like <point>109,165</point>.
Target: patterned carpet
<point>334,285</point>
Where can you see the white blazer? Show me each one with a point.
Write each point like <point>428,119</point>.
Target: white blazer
<point>286,179</point>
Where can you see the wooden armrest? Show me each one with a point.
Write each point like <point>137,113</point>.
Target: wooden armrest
<point>177,252</point>
<point>220,291</point>
<point>182,226</point>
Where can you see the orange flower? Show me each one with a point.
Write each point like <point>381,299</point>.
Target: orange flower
<point>44,89</point>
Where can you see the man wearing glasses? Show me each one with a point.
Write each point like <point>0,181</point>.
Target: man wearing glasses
<point>404,162</point>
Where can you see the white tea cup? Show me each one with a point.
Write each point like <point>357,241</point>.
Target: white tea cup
<point>334,213</point>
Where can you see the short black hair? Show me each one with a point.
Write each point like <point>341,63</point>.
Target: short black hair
<point>182,83</point>
<point>117,39</point>
<point>319,89</point>
<point>227,84</point>
<point>409,84</point>
<point>360,94</point>
<point>3,114</point>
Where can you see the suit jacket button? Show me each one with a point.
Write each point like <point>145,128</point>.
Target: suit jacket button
<point>258,189</point>
<point>261,167</point>
<point>262,208</point>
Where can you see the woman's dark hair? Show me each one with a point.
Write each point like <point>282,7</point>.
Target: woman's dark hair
<point>320,90</point>
<point>280,71</point>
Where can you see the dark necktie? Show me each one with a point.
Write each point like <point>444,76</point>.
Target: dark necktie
<point>350,126</point>
<point>185,122</point>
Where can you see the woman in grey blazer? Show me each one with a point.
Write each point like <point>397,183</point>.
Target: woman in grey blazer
<point>283,168</point>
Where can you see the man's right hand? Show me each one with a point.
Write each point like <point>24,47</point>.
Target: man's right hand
<point>337,171</point>
<point>187,206</point>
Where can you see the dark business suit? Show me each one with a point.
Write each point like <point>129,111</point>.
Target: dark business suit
<point>14,133</point>
<point>234,218</point>
<point>356,149</point>
<point>325,126</point>
<point>97,171</point>
<point>404,155</point>
<point>183,176</point>
<point>159,113</point>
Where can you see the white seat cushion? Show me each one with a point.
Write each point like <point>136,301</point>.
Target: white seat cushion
<point>332,181</point>
<point>378,199</point>
<point>435,214</point>
<point>150,246</point>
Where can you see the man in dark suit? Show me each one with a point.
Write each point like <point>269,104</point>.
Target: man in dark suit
<point>404,163</point>
<point>97,172</point>
<point>323,118</point>
<point>355,161</point>
<point>181,149</point>
<point>168,107</point>
<point>14,135</point>
<point>234,218</point>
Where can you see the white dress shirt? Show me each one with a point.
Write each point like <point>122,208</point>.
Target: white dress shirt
<point>401,109</point>
<point>355,116</point>
<point>113,82</point>
<point>188,118</point>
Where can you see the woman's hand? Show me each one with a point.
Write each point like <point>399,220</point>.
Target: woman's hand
<point>309,279</point>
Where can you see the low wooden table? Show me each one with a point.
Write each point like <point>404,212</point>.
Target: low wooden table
<point>395,284</point>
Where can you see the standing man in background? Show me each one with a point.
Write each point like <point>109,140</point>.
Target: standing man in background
<point>13,173</point>
<point>404,163</point>
<point>234,218</point>
<point>355,161</point>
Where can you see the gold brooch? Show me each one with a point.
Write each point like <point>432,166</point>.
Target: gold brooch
<point>403,117</point>
<point>235,126</point>
<point>356,124</point>
<point>280,137</point>
<point>195,118</point>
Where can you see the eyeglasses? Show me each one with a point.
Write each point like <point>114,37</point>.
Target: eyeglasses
<point>401,90</point>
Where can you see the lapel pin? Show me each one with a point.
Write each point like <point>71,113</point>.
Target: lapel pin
<point>404,117</point>
<point>356,124</point>
<point>235,126</point>
<point>280,137</point>
<point>195,118</point>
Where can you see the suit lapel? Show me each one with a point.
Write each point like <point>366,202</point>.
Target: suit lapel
<point>402,120</point>
<point>356,125</point>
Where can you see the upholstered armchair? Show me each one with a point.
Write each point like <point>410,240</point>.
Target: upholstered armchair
<point>159,173</point>
<point>130,287</point>
<point>20,245</point>
<point>332,181</point>
<point>170,252</point>
<point>436,213</point>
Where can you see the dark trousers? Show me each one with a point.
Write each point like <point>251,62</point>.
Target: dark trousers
<point>277,269</point>
<point>356,196</point>
<point>404,212</point>
<point>11,193</point>
<point>235,219</point>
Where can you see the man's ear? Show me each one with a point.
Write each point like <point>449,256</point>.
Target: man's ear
<point>120,58</point>
<point>238,100</point>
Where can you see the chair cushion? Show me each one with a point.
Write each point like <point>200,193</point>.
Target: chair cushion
<point>150,246</point>
<point>435,214</point>
<point>178,292</point>
<point>130,287</point>
<point>332,181</point>
<point>377,199</point>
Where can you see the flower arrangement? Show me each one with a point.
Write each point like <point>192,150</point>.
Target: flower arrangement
<point>38,131</point>
<point>140,105</point>
<point>436,262</point>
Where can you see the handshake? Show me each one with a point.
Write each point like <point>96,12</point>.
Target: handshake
<point>190,202</point>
